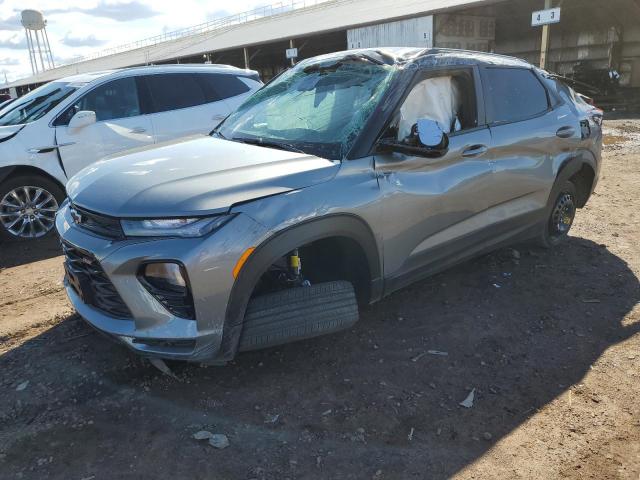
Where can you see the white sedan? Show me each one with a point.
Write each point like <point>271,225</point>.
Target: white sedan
<point>58,129</point>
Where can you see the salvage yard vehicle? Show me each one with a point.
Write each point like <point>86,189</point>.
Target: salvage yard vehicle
<point>347,178</point>
<point>53,132</point>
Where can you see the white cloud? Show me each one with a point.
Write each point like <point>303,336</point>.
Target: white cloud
<point>121,12</point>
<point>80,27</point>
<point>86,41</point>
<point>9,61</point>
<point>11,22</point>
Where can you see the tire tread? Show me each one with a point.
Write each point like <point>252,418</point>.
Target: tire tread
<point>298,313</point>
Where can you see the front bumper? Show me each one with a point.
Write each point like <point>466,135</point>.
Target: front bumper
<point>152,330</point>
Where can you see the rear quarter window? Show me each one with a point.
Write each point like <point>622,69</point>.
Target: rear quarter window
<point>218,86</point>
<point>513,94</point>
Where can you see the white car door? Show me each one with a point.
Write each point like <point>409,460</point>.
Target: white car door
<point>182,106</point>
<point>120,125</point>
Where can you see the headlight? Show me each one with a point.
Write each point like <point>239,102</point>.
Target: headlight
<point>174,227</point>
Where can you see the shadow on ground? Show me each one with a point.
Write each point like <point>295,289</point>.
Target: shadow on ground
<point>13,254</point>
<point>518,331</point>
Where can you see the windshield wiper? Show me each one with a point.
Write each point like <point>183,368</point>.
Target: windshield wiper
<point>269,144</point>
<point>215,131</point>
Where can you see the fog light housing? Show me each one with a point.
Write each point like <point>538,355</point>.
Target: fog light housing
<point>169,284</point>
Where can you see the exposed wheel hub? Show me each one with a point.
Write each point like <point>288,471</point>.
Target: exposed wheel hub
<point>28,212</point>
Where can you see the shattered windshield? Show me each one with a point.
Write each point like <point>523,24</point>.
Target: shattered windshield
<point>35,104</point>
<point>318,108</point>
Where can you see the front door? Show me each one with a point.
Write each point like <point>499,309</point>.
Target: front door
<point>432,207</point>
<point>120,126</point>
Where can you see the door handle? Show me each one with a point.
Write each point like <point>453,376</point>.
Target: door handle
<point>566,132</point>
<point>49,148</point>
<point>218,117</point>
<point>475,151</point>
<point>138,130</point>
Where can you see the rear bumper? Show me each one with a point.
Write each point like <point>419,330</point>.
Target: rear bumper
<point>152,330</point>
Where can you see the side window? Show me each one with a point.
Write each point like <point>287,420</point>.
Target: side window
<point>513,94</point>
<point>111,101</point>
<point>173,91</point>
<point>218,86</point>
<point>448,99</point>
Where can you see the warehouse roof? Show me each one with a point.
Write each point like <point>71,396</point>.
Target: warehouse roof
<point>333,15</point>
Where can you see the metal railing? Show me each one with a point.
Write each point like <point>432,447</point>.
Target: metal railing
<point>210,26</point>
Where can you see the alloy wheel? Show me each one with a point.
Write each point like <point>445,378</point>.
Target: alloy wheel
<point>28,212</point>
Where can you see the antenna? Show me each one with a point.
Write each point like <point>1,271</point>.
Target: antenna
<point>35,27</point>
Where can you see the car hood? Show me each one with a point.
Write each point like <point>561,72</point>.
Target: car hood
<point>9,131</point>
<point>195,176</point>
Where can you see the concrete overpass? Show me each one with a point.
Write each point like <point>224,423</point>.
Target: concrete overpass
<point>602,35</point>
<point>298,23</point>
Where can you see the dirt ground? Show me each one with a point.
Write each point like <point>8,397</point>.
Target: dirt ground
<point>548,341</point>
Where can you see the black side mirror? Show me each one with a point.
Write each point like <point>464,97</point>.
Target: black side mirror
<point>427,139</point>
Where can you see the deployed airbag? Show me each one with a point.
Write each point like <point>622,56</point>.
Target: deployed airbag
<point>435,99</point>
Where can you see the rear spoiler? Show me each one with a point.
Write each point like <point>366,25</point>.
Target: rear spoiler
<point>576,85</point>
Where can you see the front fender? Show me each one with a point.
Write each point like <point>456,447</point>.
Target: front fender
<point>337,225</point>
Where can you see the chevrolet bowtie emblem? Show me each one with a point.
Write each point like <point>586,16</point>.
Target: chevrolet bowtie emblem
<point>77,216</point>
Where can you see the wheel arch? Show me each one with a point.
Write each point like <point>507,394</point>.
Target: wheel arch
<point>346,226</point>
<point>581,171</point>
<point>16,170</point>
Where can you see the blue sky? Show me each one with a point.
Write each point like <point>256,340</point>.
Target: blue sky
<point>80,27</point>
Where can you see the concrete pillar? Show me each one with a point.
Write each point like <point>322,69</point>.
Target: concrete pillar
<point>245,50</point>
<point>292,45</point>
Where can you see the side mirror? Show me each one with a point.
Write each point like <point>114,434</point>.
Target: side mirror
<point>431,135</point>
<point>83,118</point>
<point>427,139</point>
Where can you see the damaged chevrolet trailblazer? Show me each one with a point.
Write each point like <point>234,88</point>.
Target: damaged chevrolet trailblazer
<point>348,177</point>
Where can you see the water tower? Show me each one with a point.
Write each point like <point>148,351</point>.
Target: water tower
<point>35,26</point>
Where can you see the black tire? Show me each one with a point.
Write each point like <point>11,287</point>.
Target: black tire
<point>17,182</point>
<point>563,198</point>
<point>297,314</point>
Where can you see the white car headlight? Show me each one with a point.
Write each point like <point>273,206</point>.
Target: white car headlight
<point>174,227</point>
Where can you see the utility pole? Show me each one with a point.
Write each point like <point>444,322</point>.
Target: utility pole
<point>544,46</point>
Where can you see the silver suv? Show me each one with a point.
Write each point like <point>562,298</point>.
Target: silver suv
<point>344,179</point>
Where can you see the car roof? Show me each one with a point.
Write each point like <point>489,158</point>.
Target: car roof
<point>85,78</point>
<point>431,57</point>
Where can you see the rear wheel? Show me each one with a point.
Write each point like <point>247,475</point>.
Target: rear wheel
<point>561,217</point>
<point>28,205</point>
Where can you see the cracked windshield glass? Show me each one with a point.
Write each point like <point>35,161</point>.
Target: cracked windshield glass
<point>318,108</point>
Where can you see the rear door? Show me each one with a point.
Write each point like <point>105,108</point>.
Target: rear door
<point>121,125</point>
<point>183,104</point>
<point>530,138</point>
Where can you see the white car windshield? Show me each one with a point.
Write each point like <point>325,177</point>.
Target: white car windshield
<point>318,108</point>
<point>35,104</point>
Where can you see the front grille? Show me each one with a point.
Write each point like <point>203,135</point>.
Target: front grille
<point>102,225</point>
<point>90,282</point>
